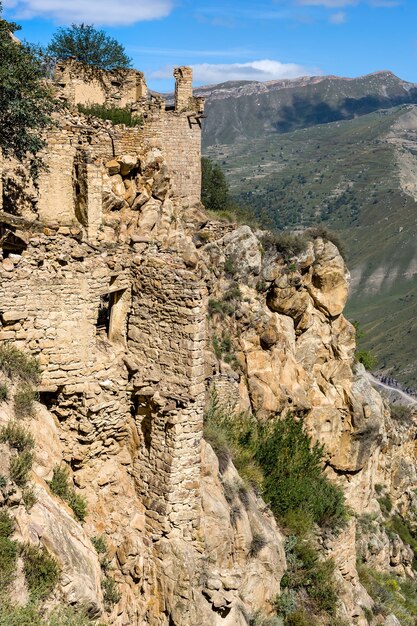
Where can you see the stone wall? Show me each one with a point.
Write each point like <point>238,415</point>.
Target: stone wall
<point>168,318</point>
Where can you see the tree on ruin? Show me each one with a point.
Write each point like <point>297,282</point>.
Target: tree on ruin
<point>91,47</point>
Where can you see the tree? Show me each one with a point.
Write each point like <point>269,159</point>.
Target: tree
<point>25,100</point>
<point>214,188</point>
<point>89,46</point>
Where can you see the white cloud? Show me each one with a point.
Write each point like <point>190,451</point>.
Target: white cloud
<point>109,12</point>
<point>338,18</point>
<point>329,4</point>
<point>262,70</point>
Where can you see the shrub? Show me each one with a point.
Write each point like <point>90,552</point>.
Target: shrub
<point>258,542</point>
<point>114,114</point>
<point>308,573</point>
<point>100,544</point>
<point>327,235</point>
<point>78,505</point>
<point>110,592</point>
<point>20,466</point>
<point>4,392</point>
<point>29,498</point>
<point>69,616</point>
<point>300,618</point>
<point>24,399</point>
<point>3,481</point>
<point>60,486</point>
<point>41,571</point>
<point>286,603</point>
<point>6,524</point>
<point>368,360</point>
<point>8,557</point>
<point>13,615</point>
<point>285,244</point>
<point>17,437</point>
<point>220,307</point>
<point>59,483</point>
<point>294,478</point>
<point>17,364</point>
<point>401,413</point>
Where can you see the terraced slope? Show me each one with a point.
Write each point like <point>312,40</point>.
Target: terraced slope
<point>358,177</point>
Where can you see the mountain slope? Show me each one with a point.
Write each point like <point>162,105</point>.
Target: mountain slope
<point>242,110</point>
<point>358,177</point>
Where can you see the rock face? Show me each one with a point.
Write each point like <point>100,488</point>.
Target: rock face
<point>137,306</point>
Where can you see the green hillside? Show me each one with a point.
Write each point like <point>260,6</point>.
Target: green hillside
<point>357,177</point>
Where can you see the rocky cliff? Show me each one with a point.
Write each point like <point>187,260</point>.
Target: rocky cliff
<point>115,334</point>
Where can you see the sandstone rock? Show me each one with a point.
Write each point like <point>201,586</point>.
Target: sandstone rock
<point>113,167</point>
<point>127,163</point>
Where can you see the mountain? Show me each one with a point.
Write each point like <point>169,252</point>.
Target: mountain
<point>357,176</point>
<point>244,110</point>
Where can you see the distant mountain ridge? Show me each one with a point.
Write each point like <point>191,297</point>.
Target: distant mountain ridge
<point>239,110</point>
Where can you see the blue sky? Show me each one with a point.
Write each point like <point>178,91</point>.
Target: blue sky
<point>238,39</point>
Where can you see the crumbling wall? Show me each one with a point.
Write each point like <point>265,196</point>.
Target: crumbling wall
<point>49,303</point>
<point>168,318</point>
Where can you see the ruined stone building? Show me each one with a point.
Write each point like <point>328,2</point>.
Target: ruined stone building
<point>107,262</point>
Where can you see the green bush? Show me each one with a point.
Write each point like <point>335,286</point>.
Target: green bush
<point>20,466</point>
<point>13,615</point>
<point>110,592</point>
<point>100,544</point>
<point>29,498</point>
<point>17,437</point>
<point>8,557</point>
<point>41,571</point>
<point>300,618</point>
<point>286,603</point>
<point>220,307</point>
<point>60,486</point>
<point>78,505</point>
<point>16,364</point>
<point>4,392</point>
<point>308,573</point>
<point>115,115</point>
<point>368,360</point>
<point>285,244</point>
<point>294,478</point>
<point>24,399</point>
<point>6,524</point>
<point>391,594</point>
<point>68,616</point>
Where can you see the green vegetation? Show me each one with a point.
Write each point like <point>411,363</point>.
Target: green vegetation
<point>116,115</point>
<point>16,364</point>
<point>6,523</point>
<point>307,574</point>
<point>24,400</point>
<point>391,594</point>
<point>25,101</point>
<point>8,557</point>
<point>60,486</point>
<point>279,458</point>
<point>214,188</point>
<point>41,571</point>
<point>20,466</point>
<point>4,392</point>
<point>110,592</point>
<point>100,544</point>
<point>286,245</point>
<point>17,437</point>
<point>89,46</point>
